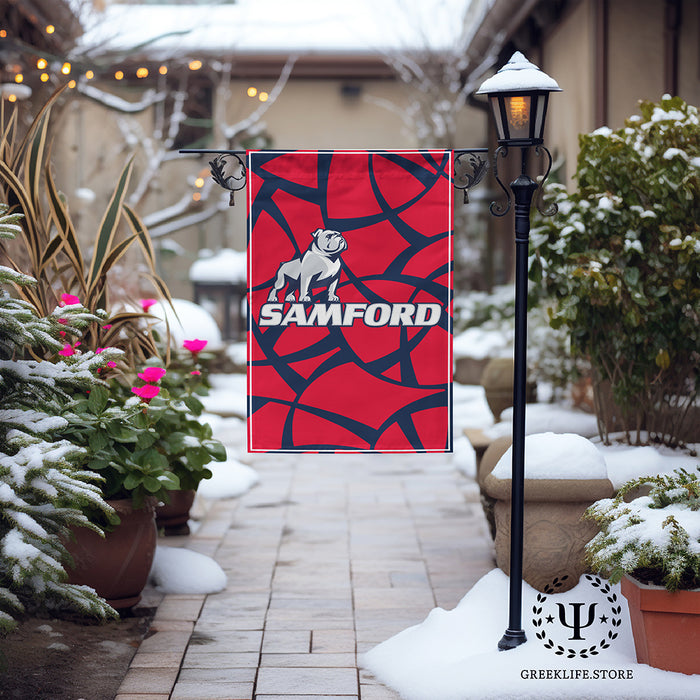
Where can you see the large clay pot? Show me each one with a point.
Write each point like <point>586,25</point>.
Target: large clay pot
<point>172,517</point>
<point>665,626</point>
<point>116,566</point>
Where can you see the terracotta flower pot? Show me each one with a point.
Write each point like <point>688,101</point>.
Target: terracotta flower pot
<point>172,517</point>
<point>665,626</point>
<point>117,566</point>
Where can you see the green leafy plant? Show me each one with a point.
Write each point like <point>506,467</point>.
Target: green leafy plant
<point>51,249</point>
<point>621,260</point>
<point>655,538</point>
<point>44,488</point>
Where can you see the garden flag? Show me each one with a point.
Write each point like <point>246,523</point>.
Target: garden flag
<point>350,301</point>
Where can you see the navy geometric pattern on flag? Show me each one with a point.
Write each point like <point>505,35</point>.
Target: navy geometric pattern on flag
<point>350,301</point>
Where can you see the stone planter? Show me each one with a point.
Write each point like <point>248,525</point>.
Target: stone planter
<point>554,534</point>
<point>665,626</point>
<point>116,566</point>
<point>497,380</point>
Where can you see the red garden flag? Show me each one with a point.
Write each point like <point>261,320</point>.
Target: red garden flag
<point>350,301</point>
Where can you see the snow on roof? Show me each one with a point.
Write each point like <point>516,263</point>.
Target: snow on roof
<point>276,27</point>
<point>518,74</point>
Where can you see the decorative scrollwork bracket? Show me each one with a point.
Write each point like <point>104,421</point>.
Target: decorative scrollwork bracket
<point>227,169</point>
<point>469,169</point>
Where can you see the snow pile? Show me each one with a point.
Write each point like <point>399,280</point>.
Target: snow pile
<point>187,321</point>
<point>229,480</point>
<point>227,396</point>
<point>484,341</point>
<point>625,463</point>
<point>177,570</point>
<point>550,456</point>
<point>543,418</point>
<point>226,266</point>
<point>452,655</point>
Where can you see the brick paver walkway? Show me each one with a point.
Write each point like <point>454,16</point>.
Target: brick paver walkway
<point>327,557</point>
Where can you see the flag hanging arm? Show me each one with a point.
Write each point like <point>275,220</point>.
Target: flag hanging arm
<point>229,171</point>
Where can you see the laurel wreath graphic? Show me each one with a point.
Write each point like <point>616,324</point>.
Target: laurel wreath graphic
<point>586,652</point>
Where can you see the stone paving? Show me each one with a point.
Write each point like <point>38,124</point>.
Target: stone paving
<point>328,556</point>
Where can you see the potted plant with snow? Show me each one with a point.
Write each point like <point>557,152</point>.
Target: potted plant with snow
<point>652,544</point>
<point>180,436</point>
<point>620,262</point>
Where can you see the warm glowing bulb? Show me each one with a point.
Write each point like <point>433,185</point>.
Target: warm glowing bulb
<point>199,182</point>
<point>519,111</point>
<point>263,97</point>
<point>196,196</point>
<point>44,77</point>
<point>65,68</point>
<point>195,65</point>
<point>50,29</point>
<point>163,70</point>
<point>3,33</point>
<point>71,84</point>
<point>42,63</point>
<point>119,75</point>
<point>89,74</point>
<point>252,91</point>
<point>12,98</point>
<point>19,78</point>
<point>142,72</point>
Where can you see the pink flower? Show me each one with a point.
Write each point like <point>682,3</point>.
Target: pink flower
<point>98,351</point>
<point>62,321</point>
<point>107,326</point>
<point>194,346</point>
<point>147,303</point>
<point>69,299</point>
<point>111,363</point>
<point>152,374</point>
<point>62,333</point>
<point>195,372</point>
<point>147,392</point>
<point>67,350</point>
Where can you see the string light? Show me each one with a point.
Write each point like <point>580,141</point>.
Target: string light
<point>119,75</point>
<point>263,97</point>
<point>19,78</point>
<point>142,72</point>
<point>12,98</point>
<point>195,65</point>
<point>66,68</point>
<point>89,74</point>
<point>252,91</point>
<point>163,70</point>
<point>71,84</point>
<point>196,196</point>
<point>199,182</point>
<point>42,63</point>
<point>50,29</point>
<point>44,77</point>
<point>3,33</point>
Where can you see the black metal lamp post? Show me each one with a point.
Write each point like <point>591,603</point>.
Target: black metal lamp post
<point>519,93</point>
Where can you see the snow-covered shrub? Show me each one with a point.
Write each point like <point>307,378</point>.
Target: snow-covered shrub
<point>656,537</point>
<point>621,260</point>
<point>43,489</point>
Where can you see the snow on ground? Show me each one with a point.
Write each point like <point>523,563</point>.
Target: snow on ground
<point>227,396</point>
<point>229,480</point>
<point>453,655</point>
<point>180,570</point>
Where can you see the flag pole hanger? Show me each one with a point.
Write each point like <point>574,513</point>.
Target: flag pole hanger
<point>229,171</point>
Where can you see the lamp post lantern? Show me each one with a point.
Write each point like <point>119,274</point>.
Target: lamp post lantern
<point>519,93</point>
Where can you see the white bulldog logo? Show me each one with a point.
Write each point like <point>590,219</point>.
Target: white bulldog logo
<point>319,265</point>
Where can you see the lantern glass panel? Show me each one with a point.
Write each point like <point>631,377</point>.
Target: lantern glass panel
<point>540,112</point>
<point>498,117</point>
<point>518,115</point>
